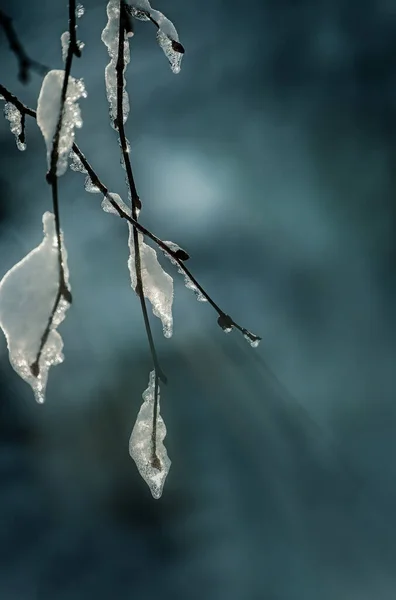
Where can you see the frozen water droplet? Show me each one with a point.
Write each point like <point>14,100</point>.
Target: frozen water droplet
<point>80,10</point>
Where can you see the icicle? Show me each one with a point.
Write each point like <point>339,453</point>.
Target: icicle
<point>157,284</point>
<point>27,296</point>
<point>167,36</point>
<point>187,281</point>
<point>14,116</point>
<point>153,469</point>
<point>110,39</point>
<point>48,108</point>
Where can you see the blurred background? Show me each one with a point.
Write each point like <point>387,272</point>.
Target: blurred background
<point>271,159</point>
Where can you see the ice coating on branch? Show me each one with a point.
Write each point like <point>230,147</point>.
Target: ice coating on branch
<point>13,115</point>
<point>253,340</point>
<point>157,284</point>
<point>65,41</point>
<point>27,296</point>
<point>110,39</point>
<point>109,208</point>
<point>48,108</point>
<point>90,186</point>
<point>187,281</point>
<point>141,443</point>
<point>167,36</point>
<point>76,164</point>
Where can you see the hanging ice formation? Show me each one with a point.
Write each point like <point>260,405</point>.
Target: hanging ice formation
<point>28,294</point>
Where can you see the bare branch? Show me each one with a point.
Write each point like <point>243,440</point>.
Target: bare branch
<point>25,63</point>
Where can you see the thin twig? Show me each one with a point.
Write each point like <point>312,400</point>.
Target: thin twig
<point>25,63</point>
<point>52,179</point>
<point>120,67</point>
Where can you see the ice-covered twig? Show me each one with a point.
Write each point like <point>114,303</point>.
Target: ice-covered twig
<point>115,70</point>
<point>52,175</point>
<point>25,63</point>
<point>118,48</point>
<point>146,444</point>
<point>65,37</point>
<point>167,36</point>
<point>73,50</point>
<point>177,254</point>
<point>224,320</point>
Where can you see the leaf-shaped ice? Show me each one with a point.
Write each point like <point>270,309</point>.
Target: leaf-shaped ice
<point>152,462</point>
<point>157,284</point>
<point>27,298</point>
<point>48,107</point>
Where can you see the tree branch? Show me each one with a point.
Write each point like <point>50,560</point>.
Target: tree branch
<point>225,320</point>
<point>159,374</point>
<point>25,63</point>
<point>52,179</point>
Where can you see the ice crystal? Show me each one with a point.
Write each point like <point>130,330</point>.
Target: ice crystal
<point>79,11</point>
<point>27,297</point>
<point>13,115</point>
<point>153,466</point>
<point>76,164</point>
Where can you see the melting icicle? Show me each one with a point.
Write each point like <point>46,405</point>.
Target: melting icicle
<point>187,281</point>
<point>110,39</point>
<point>157,284</point>
<point>13,115</point>
<point>27,296</point>
<point>141,443</point>
<point>48,108</point>
<point>167,36</point>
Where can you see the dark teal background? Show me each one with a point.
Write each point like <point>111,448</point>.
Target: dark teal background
<point>271,159</point>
